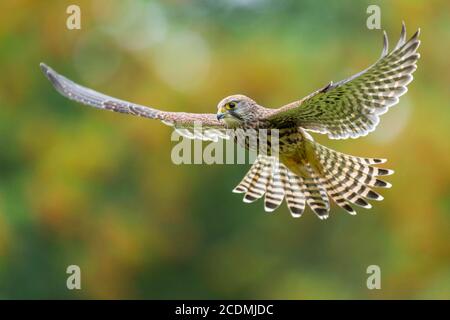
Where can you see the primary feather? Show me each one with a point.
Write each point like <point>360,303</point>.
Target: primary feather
<point>352,107</point>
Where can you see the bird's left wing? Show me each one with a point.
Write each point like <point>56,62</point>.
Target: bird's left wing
<point>203,126</point>
<point>351,107</point>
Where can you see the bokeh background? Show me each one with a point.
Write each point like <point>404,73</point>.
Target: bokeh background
<point>99,190</point>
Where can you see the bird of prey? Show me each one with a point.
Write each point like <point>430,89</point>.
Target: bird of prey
<point>303,172</point>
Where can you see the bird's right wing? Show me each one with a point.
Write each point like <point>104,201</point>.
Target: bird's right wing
<point>203,126</point>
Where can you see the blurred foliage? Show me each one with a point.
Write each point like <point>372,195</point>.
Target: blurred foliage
<point>97,189</point>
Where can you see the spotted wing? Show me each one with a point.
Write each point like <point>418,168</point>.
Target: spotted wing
<point>203,126</point>
<point>352,107</point>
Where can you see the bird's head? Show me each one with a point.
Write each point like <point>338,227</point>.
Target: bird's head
<point>236,110</point>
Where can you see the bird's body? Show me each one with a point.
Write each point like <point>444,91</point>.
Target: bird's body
<point>301,171</point>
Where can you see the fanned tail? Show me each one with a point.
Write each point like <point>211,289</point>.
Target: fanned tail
<point>346,179</point>
<point>265,177</point>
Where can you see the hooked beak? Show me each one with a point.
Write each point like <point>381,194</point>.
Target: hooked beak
<point>221,115</point>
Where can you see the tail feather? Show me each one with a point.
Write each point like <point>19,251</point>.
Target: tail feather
<point>346,179</point>
<point>351,177</point>
<point>336,196</point>
<point>346,189</point>
<point>258,184</point>
<point>295,198</point>
<point>244,185</point>
<point>334,164</point>
<point>351,170</point>
<point>354,180</point>
<point>316,196</point>
<point>275,191</point>
<point>356,165</point>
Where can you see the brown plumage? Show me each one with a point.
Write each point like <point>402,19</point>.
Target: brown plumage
<point>303,171</point>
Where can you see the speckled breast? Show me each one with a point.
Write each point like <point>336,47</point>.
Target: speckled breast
<point>269,141</point>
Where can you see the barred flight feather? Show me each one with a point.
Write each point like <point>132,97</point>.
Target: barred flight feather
<point>352,107</point>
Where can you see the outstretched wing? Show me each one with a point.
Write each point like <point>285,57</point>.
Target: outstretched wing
<point>351,107</point>
<point>203,126</point>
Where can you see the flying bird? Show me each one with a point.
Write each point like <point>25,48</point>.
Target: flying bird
<point>303,172</point>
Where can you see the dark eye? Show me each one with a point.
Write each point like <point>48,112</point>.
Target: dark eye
<point>232,105</point>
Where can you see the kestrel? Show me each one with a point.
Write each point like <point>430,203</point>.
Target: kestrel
<point>303,172</point>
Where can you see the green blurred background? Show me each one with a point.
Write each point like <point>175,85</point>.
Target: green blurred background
<point>99,190</point>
